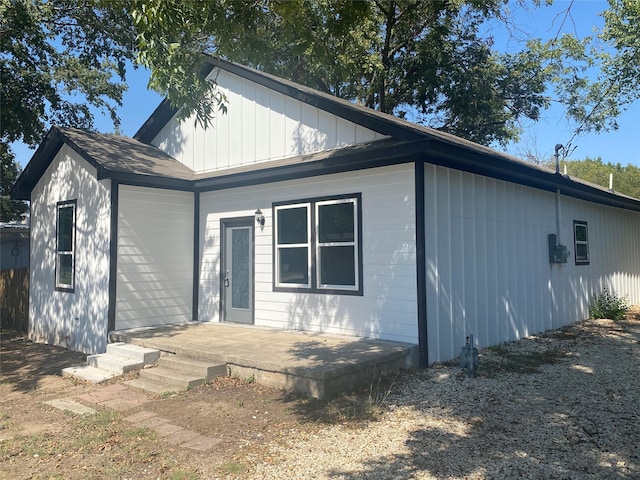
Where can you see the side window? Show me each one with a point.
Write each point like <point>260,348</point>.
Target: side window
<point>336,244</point>
<point>65,246</point>
<point>581,242</point>
<point>317,245</point>
<point>293,245</point>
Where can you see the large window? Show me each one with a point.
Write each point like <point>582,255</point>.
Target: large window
<point>581,242</point>
<point>317,245</point>
<point>65,246</point>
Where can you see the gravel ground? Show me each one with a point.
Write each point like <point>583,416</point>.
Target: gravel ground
<point>563,405</point>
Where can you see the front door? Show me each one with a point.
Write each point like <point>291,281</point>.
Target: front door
<point>237,270</point>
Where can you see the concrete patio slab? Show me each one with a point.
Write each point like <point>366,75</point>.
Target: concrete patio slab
<point>314,364</point>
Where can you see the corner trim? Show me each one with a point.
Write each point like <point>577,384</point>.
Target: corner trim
<point>196,256</point>
<point>421,268</point>
<point>113,255</point>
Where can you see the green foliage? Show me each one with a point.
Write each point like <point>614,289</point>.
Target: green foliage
<point>424,60</point>
<point>10,210</point>
<point>58,58</point>
<point>622,31</point>
<point>608,305</point>
<point>626,179</point>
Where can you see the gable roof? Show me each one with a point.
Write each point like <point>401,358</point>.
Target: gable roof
<point>379,122</point>
<point>113,156</point>
<point>145,165</point>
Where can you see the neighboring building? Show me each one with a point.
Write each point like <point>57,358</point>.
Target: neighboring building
<point>14,246</point>
<point>299,210</point>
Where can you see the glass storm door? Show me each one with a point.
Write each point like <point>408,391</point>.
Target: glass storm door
<point>237,271</point>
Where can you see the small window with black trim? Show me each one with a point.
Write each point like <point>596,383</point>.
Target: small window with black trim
<point>581,242</point>
<point>65,245</point>
<point>317,245</point>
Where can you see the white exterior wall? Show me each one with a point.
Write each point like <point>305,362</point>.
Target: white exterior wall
<point>155,257</point>
<point>75,320</point>
<point>387,308</point>
<point>488,270</point>
<point>260,125</point>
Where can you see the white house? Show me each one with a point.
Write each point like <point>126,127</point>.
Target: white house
<point>299,210</point>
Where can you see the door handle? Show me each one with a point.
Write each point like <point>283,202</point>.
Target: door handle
<point>226,279</point>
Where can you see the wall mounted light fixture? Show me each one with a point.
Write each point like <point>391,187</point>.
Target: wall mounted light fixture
<point>259,217</point>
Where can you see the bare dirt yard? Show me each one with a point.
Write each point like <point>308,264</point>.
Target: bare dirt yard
<point>563,404</point>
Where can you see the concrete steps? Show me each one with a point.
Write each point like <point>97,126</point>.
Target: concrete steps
<point>120,358</point>
<point>175,372</point>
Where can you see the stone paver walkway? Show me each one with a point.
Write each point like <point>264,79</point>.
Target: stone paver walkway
<point>118,397</point>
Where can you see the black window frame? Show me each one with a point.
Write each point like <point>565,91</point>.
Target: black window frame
<point>581,260</point>
<point>66,287</point>
<point>312,286</point>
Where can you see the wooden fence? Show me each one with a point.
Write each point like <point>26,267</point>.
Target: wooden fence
<point>14,292</point>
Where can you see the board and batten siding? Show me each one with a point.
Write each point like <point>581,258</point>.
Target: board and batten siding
<point>155,257</point>
<point>260,125</point>
<point>387,308</point>
<point>75,320</point>
<point>487,260</point>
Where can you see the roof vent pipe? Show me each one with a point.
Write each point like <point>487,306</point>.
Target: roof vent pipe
<point>557,155</point>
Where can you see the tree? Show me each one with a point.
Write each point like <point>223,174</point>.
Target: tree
<point>10,210</point>
<point>614,54</point>
<point>426,60</point>
<point>58,59</point>
<point>420,59</point>
<point>626,179</point>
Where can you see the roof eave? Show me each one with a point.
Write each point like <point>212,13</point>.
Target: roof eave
<point>38,164</point>
<point>498,167</point>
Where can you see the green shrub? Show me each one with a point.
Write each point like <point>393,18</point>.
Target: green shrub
<point>608,305</point>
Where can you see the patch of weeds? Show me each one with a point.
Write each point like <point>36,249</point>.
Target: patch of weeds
<point>250,380</point>
<point>50,476</point>
<point>139,433</point>
<point>96,430</point>
<point>33,445</point>
<point>500,349</point>
<point>182,475</point>
<point>4,421</point>
<point>232,468</point>
<point>608,305</point>
<point>365,404</point>
<point>165,395</point>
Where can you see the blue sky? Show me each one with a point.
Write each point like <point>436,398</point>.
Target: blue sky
<point>620,146</point>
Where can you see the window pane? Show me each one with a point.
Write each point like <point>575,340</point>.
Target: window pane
<point>582,251</point>
<point>292,225</point>
<point>240,265</point>
<point>336,223</point>
<point>65,269</point>
<point>337,266</point>
<point>581,233</point>
<point>293,265</point>
<point>65,229</point>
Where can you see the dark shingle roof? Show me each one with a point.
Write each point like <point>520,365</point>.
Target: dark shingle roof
<point>109,154</point>
<point>136,161</point>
